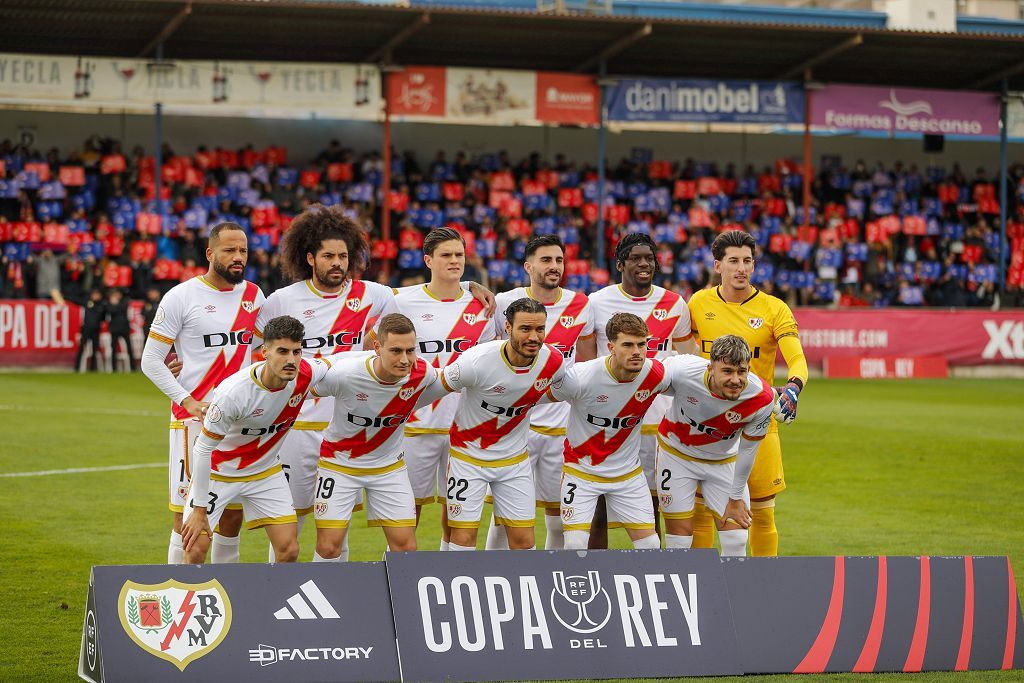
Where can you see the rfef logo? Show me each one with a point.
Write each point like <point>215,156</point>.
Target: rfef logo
<point>176,621</point>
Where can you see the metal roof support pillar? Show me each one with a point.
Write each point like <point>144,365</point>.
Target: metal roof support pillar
<point>599,236</point>
<point>808,176</point>
<point>1003,180</point>
<point>385,202</point>
<point>158,111</point>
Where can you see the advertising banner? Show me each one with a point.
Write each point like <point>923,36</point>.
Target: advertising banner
<point>417,91</point>
<point>277,90</point>
<point>1015,118</point>
<point>865,614</point>
<point>964,337</point>
<point>251,622</point>
<point>483,96</point>
<point>885,367</point>
<point>706,101</point>
<point>555,615</point>
<point>906,110</point>
<point>567,98</point>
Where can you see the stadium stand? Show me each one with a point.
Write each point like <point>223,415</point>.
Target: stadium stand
<point>875,236</point>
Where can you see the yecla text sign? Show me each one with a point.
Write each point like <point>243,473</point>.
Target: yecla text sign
<point>561,615</point>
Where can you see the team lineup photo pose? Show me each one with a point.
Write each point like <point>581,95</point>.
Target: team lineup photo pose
<point>236,455</point>
<point>209,321</point>
<point>570,330</point>
<point>719,415</point>
<point>767,324</point>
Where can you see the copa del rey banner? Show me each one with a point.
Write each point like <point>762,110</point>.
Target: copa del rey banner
<point>487,97</point>
<point>906,110</point>
<point>965,337</point>
<point>276,90</point>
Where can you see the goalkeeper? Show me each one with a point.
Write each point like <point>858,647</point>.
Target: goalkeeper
<point>766,323</point>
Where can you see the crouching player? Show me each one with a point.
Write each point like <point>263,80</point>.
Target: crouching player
<point>236,455</point>
<point>362,449</point>
<point>608,398</point>
<point>719,415</point>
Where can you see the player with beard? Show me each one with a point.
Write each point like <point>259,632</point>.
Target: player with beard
<point>666,316</point>
<point>501,382</point>
<point>570,329</point>
<point>209,321</point>
<point>236,453</point>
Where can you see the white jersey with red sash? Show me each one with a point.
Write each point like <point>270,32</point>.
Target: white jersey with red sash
<point>568,319</point>
<point>212,332</point>
<point>335,323</point>
<point>702,426</point>
<point>603,437</point>
<point>366,431</point>
<point>492,416</point>
<point>249,421</point>
<point>445,329</point>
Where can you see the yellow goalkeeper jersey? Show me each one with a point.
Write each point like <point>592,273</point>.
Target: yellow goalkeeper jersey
<point>762,320</point>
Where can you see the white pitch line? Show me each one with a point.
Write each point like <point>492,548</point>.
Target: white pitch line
<point>87,411</point>
<point>81,470</point>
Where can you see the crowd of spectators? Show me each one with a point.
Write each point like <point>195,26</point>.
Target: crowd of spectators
<point>76,221</point>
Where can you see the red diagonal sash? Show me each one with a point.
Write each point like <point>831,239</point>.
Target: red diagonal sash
<point>720,426</point>
<point>491,432</point>
<point>661,325</point>
<point>597,446</point>
<point>360,444</point>
<point>563,337</point>
<point>222,368</point>
<point>249,453</point>
<point>352,317</point>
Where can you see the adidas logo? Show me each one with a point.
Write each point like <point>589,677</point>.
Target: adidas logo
<point>315,603</point>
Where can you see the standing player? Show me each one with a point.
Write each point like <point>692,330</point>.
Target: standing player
<point>362,448</point>
<point>500,381</point>
<point>608,398</point>
<point>766,323</point>
<point>718,417</point>
<point>236,452</point>
<point>210,321</point>
<point>666,316</point>
<point>570,329</point>
<point>324,250</point>
<point>448,322</point>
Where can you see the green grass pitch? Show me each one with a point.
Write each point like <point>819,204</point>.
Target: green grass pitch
<point>895,468</point>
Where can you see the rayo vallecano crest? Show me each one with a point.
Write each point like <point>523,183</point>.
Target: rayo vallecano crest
<point>469,318</point>
<point>404,394</point>
<point>541,384</point>
<point>567,320</point>
<point>354,304</point>
<point>247,306</point>
<point>660,313</point>
<point>642,395</point>
<point>732,416</point>
<point>755,323</point>
<point>179,622</point>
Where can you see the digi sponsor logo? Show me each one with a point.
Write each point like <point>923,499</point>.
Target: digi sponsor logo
<point>266,655</point>
<point>175,621</point>
<point>474,613</point>
<point>233,338</point>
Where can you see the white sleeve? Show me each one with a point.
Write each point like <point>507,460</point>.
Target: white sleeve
<point>434,390</point>
<point>383,302</point>
<point>266,314</point>
<point>460,374</point>
<point>219,417</point>
<point>568,389</point>
<point>331,383</point>
<point>682,331</point>
<point>588,317</point>
<point>153,366</point>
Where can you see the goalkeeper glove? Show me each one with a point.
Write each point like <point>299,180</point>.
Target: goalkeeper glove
<point>785,404</point>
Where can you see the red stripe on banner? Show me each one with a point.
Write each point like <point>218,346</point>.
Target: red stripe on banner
<point>963,657</point>
<point>915,658</point>
<point>817,657</point>
<point>1011,619</point>
<point>869,654</point>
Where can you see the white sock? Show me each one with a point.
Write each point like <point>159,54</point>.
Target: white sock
<point>651,542</point>
<point>497,537</point>
<point>344,550</point>
<point>455,547</point>
<point>225,549</point>
<point>444,545</point>
<point>317,558</point>
<point>554,538</point>
<point>175,552</point>
<point>734,542</point>
<point>271,555</point>
<point>576,540</point>
<point>673,541</point>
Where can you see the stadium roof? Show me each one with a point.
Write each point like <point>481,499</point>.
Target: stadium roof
<point>491,36</point>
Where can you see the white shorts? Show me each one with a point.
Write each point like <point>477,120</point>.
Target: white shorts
<point>183,434</point>
<point>547,453</point>
<point>426,457</point>
<point>628,500</point>
<point>264,501</point>
<point>389,499</point>
<point>649,439</point>
<point>511,487</point>
<point>300,455</point>
<point>679,479</point>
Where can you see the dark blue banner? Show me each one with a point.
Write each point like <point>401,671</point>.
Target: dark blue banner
<point>706,101</point>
